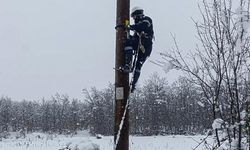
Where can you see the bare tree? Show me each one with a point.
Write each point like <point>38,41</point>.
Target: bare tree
<point>219,65</point>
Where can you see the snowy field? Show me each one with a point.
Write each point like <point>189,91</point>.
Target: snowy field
<point>39,141</point>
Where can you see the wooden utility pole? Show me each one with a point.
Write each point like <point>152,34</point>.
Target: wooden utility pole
<point>121,79</point>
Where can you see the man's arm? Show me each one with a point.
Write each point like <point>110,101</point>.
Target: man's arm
<point>141,26</point>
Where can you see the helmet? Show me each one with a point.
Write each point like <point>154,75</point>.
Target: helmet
<point>136,11</point>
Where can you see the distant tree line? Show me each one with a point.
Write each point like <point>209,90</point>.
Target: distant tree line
<point>58,114</point>
<point>156,108</point>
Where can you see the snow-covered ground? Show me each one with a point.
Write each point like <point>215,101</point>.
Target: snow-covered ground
<point>39,141</point>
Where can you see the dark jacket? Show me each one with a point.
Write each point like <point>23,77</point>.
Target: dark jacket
<point>144,24</point>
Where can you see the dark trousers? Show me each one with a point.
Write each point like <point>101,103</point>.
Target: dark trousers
<point>142,57</point>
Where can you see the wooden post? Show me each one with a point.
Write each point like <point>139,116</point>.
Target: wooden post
<point>121,79</point>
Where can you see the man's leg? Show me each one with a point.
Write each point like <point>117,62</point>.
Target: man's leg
<point>140,61</point>
<point>128,56</point>
<point>142,57</point>
<point>136,76</point>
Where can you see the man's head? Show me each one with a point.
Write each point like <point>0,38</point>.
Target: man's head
<point>137,13</point>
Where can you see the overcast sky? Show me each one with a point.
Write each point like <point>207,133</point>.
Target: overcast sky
<point>64,46</point>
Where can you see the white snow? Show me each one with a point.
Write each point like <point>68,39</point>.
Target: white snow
<point>83,145</point>
<point>201,104</point>
<point>86,142</point>
<point>217,124</point>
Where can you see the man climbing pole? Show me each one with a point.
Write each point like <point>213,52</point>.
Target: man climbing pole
<point>139,44</point>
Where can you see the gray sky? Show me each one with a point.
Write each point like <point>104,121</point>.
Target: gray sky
<point>50,46</point>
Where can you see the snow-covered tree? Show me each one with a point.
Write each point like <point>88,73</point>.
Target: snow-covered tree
<point>220,64</point>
